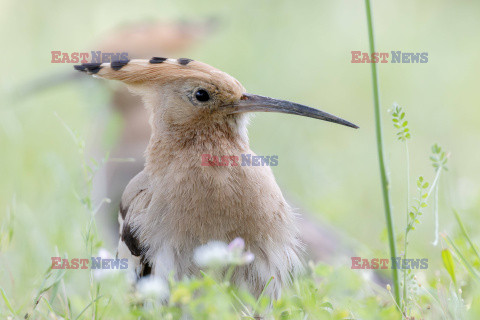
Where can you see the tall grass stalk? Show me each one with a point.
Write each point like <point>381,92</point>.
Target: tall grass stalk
<point>381,155</point>
<point>407,154</point>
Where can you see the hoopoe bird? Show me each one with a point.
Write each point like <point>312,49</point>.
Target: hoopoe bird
<point>175,204</point>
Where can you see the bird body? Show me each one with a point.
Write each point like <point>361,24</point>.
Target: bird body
<point>175,204</point>
<point>180,205</point>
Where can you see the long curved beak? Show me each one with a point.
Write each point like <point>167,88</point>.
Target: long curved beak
<point>255,103</point>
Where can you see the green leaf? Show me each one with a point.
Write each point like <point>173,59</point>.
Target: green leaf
<point>449,264</point>
<point>7,302</point>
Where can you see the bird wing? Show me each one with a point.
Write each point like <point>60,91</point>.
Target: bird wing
<point>135,201</point>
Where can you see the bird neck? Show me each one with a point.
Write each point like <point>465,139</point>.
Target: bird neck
<point>187,143</point>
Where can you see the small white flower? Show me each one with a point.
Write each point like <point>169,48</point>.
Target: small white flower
<point>218,253</point>
<point>237,245</point>
<point>214,253</point>
<point>237,255</point>
<point>153,287</point>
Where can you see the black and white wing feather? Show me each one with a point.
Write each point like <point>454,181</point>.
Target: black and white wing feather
<point>135,201</point>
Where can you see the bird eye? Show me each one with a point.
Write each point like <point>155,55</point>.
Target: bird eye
<point>202,95</point>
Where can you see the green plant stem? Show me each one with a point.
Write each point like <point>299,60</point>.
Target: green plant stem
<point>381,155</point>
<point>407,153</point>
<point>435,214</point>
<point>434,183</point>
<point>433,187</point>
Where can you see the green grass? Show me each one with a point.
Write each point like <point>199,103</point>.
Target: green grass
<point>291,50</point>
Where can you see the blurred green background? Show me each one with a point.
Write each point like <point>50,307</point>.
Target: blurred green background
<point>294,50</point>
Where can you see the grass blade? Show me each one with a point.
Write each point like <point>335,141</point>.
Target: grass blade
<point>7,302</point>
<point>465,234</point>
<point>381,155</point>
<point>462,259</point>
<point>88,306</point>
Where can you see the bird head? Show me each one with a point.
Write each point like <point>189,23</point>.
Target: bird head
<point>188,96</point>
